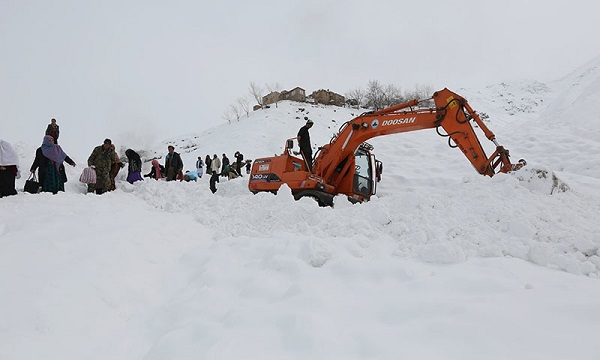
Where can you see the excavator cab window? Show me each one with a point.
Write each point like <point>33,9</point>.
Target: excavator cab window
<point>363,174</point>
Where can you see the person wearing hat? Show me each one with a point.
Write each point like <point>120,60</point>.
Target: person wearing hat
<point>304,143</point>
<point>53,130</point>
<point>101,159</point>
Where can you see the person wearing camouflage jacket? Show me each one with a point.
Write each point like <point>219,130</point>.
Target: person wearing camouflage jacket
<point>101,159</point>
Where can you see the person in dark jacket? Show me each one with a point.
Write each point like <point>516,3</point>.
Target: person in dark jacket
<point>102,158</point>
<point>304,142</point>
<point>134,167</point>
<point>9,169</point>
<point>173,164</point>
<point>239,158</point>
<point>49,160</point>
<point>214,179</point>
<point>207,162</point>
<point>53,130</point>
<point>224,164</point>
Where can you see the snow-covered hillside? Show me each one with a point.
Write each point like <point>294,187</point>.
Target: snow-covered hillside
<point>443,263</point>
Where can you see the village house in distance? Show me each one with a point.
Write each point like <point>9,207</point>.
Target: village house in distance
<point>326,97</point>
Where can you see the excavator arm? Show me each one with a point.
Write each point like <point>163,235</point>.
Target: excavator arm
<point>451,117</point>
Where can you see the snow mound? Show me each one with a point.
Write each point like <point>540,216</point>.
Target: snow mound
<point>540,179</point>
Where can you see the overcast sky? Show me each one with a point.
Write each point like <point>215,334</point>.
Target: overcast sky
<point>171,67</point>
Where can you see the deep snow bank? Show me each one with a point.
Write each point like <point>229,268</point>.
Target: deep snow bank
<point>473,218</point>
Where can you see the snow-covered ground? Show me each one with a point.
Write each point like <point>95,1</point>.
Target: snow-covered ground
<point>442,264</point>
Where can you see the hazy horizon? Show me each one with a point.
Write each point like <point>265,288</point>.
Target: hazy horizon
<point>170,69</point>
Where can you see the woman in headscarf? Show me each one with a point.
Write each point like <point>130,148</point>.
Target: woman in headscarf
<point>157,172</point>
<point>49,159</point>
<point>9,169</point>
<point>134,169</point>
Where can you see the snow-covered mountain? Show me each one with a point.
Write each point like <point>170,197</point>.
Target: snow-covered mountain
<point>443,263</point>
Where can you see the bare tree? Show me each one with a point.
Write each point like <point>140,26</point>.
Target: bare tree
<point>256,92</point>
<point>235,111</point>
<point>378,96</point>
<point>392,95</point>
<point>244,105</point>
<point>374,95</point>
<point>424,91</point>
<point>227,115</point>
<point>273,87</point>
<point>357,95</point>
<point>421,92</point>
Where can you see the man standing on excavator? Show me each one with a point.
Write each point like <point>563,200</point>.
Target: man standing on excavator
<point>304,143</point>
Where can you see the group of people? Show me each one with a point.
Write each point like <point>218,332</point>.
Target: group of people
<point>49,163</point>
<point>172,170</point>
<point>224,167</point>
<point>105,164</point>
<point>216,167</point>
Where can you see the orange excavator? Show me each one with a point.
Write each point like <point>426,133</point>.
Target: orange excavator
<point>347,165</point>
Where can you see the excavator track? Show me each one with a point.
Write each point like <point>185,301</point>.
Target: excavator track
<point>322,198</point>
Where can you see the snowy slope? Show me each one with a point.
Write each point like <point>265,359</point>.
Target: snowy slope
<point>565,135</point>
<point>442,263</point>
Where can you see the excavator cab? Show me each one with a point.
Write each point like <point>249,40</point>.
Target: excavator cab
<point>364,179</point>
<point>367,173</point>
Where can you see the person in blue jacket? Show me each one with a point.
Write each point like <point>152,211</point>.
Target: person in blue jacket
<point>190,176</point>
